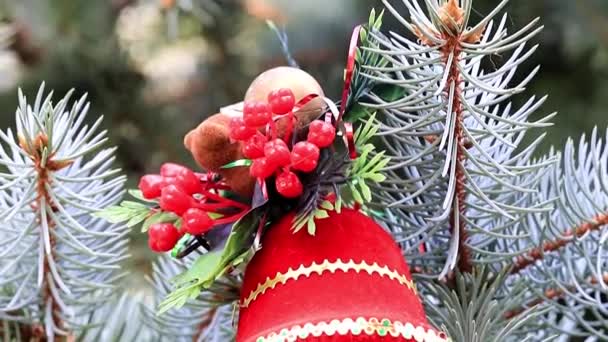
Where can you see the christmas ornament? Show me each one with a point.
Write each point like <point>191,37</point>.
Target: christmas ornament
<point>270,86</point>
<point>302,174</point>
<point>348,282</point>
<point>221,138</point>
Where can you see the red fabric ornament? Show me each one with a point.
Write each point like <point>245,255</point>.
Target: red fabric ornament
<point>349,282</point>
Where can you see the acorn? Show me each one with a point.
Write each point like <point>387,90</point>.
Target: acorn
<point>301,84</point>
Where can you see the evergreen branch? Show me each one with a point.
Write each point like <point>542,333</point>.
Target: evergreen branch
<point>65,259</point>
<point>570,236</point>
<point>456,180</point>
<point>474,309</point>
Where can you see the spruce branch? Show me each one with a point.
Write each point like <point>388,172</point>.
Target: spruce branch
<point>475,308</point>
<point>453,135</point>
<point>566,258</point>
<point>58,262</point>
<point>569,236</point>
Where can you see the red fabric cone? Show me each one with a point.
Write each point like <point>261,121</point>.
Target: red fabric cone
<point>349,282</point>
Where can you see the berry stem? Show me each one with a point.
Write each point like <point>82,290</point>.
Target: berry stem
<point>272,125</point>
<point>289,128</point>
<point>209,207</point>
<point>225,201</point>
<point>229,219</point>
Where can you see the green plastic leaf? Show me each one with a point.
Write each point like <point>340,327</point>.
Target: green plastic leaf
<point>159,217</point>
<point>137,194</point>
<point>178,298</point>
<point>238,163</point>
<point>327,205</point>
<point>338,205</point>
<point>372,17</point>
<point>378,22</point>
<point>127,211</point>
<point>299,223</point>
<point>133,205</point>
<point>136,219</point>
<point>201,269</point>
<point>321,214</point>
<point>363,34</point>
<point>114,214</point>
<point>365,191</point>
<point>376,177</point>
<point>311,227</point>
<point>356,195</point>
<point>189,283</point>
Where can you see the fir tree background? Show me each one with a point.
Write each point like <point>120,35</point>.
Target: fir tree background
<point>156,68</point>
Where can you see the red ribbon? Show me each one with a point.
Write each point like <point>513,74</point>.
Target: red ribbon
<point>350,68</point>
<point>350,140</point>
<point>304,101</point>
<point>348,78</point>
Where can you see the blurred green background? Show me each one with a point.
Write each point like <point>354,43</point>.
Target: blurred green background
<point>156,68</point>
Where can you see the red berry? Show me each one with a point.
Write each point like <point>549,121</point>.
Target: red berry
<point>175,200</point>
<point>239,131</point>
<point>321,133</point>
<point>151,186</point>
<point>196,221</point>
<point>261,168</point>
<point>171,169</point>
<point>288,185</point>
<point>187,180</point>
<point>162,237</point>
<point>277,152</point>
<point>305,156</point>
<point>254,147</point>
<point>281,101</point>
<point>256,114</point>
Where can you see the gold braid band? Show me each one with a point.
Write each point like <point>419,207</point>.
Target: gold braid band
<point>332,267</point>
<point>360,326</point>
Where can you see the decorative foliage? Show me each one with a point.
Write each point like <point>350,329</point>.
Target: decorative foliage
<point>365,168</point>
<point>59,262</point>
<point>207,317</point>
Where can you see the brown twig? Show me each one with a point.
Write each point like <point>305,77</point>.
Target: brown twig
<point>549,294</point>
<point>453,48</point>
<point>204,324</point>
<point>523,261</point>
<point>44,167</point>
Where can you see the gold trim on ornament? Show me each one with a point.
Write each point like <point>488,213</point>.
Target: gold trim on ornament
<point>332,267</point>
<point>360,326</point>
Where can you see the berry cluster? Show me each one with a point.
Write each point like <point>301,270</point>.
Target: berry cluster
<point>190,196</point>
<point>271,155</point>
